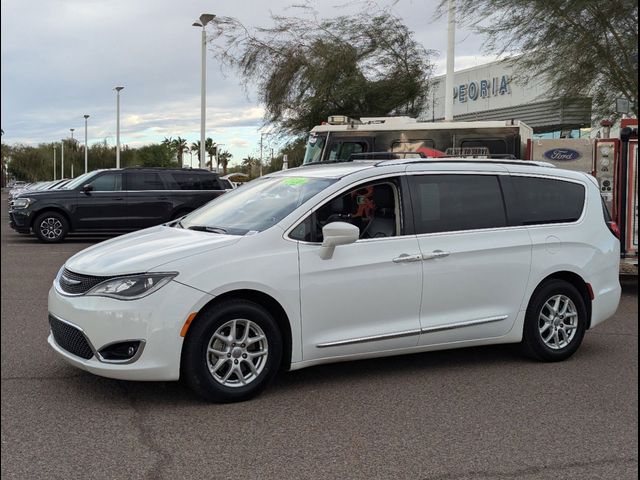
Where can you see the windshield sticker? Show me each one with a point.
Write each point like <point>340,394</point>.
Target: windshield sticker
<point>295,181</point>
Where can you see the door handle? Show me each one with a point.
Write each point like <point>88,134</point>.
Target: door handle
<point>435,254</point>
<point>119,198</point>
<point>405,258</point>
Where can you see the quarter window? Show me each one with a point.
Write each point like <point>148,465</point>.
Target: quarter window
<point>448,203</point>
<point>546,200</point>
<point>195,181</point>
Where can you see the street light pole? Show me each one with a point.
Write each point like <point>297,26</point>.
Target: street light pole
<point>117,89</point>
<point>72,146</point>
<point>62,156</point>
<point>86,151</point>
<point>449,79</point>
<point>54,161</point>
<point>205,18</point>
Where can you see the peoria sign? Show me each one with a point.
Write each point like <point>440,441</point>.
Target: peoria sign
<point>474,90</point>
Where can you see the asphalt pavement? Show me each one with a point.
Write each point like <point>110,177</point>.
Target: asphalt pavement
<point>478,413</point>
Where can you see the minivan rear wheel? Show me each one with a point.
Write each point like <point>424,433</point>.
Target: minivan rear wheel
<point>232,351</point>
<point>555,322</point>
<point>51,227</point>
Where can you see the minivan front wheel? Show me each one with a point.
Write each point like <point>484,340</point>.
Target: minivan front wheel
<point>51,227</point>
<point>555,322</point>
<point>232,351</point>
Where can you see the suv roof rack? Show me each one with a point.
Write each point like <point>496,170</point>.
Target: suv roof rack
<point>505,161</point>
<point>142,167</point>
<point>384,156</point>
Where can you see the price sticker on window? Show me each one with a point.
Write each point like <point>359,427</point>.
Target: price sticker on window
<point>295,181</point>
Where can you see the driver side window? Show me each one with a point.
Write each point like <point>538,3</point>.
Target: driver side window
<point>373,207</point>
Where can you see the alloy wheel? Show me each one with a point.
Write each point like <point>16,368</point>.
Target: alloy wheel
<point>51,228</point>
<point>558,322</point>
<point>237,353</point>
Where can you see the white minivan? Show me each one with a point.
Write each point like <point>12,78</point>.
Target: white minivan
<point>342,262</point>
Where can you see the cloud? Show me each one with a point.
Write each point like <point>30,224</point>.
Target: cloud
<point>64,61</point>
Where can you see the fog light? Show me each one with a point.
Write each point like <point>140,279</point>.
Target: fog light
<point>121,351</point>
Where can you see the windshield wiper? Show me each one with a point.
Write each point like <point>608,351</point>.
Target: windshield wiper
<point>206,228</point>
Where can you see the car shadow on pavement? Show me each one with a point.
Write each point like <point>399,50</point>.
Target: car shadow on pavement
<point>329,377</point>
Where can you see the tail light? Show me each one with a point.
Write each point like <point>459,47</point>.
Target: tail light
<point>613,227</point>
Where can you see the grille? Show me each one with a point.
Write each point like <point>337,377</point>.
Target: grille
<point>75,283</point>
<point>70,338</point>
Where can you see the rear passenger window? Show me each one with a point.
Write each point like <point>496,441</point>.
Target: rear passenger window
<point>545,200</point>
<point>144,181</point>
<point>195,181</point>
<point>449,203</point>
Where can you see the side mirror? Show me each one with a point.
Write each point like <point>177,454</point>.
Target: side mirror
<point>87,188</point>
<point>337,233</point>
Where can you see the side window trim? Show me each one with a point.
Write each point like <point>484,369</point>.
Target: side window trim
<point>396,178</point>
<point>499,176</point>
<point>557,178</point>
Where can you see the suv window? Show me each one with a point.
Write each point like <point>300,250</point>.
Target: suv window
<point>109,182</point>
<point>448,203</point>
<point>373,208</point>
<point>546,200</point>
<point>144,181</point>
<point>195,181</point>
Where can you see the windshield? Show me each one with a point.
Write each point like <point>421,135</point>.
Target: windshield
<point>315,146</point>
<point>256,206</point>
<point>79,181</point>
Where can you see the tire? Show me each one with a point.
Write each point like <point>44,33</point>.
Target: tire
<point>205,372</point>
<point>559,337</point>
<point>51,227</point>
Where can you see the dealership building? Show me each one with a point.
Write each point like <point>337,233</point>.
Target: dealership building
<point>494,92</point>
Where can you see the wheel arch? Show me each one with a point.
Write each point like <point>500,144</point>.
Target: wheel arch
<point>575,280</point>
<point>59,210</point>
<point>264,300</point>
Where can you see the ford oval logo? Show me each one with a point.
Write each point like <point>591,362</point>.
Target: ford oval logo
<point>562,154</point>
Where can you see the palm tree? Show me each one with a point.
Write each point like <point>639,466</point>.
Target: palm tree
<point>211,148</point>
<point>195,147</point>
<point>180,147</point>
<point>223,159</point>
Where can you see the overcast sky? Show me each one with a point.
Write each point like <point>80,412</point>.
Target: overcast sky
<point>62,58</point>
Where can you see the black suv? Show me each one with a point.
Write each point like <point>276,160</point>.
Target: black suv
<point>113,200</point>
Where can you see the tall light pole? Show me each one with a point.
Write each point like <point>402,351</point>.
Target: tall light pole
<point>117,89</point>
<point>72,146</point>
<point>448,84</point>
<point>205,18</point>
<point>62,157</point>
<point>86,151</point>
<point>54,161</point>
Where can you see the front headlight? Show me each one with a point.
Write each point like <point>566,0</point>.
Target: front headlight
<point>22,202</point>
<point>131,287</point>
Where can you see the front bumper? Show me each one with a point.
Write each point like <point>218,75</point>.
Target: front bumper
<point>155,319</point>
<point>20,220</point>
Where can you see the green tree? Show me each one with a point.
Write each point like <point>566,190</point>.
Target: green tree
<point>307,68</point>
<point>223,159</point>
<point>195,147</point>
<point>581,47</point>
<point>180,147</point>
<point>211,148</point>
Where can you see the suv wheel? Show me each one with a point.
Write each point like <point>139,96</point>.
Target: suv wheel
<point>555,322</point>
<point>232,351</point>
<point>51,227</point>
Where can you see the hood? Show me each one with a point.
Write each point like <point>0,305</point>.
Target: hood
<point>142,251</point>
